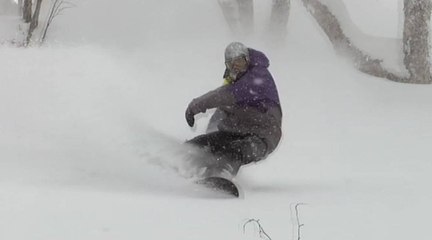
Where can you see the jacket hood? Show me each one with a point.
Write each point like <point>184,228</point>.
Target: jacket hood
<point>258,58</point>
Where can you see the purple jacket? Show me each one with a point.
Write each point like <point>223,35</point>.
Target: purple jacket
<point>249,105</point>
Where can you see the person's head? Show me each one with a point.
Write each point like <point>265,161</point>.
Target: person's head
<point>236,59</point>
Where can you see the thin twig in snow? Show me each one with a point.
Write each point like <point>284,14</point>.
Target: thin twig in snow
<point>298,224</point>
<point>262,233</point>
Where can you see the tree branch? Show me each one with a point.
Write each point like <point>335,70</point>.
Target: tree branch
<point>343,45</point>
<point>57,8</point>
<point>299,225</point>
<point>262,233</point>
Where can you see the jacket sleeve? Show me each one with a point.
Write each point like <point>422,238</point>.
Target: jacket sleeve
<point>219,97</point>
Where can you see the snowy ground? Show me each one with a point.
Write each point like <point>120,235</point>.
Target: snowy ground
<point>84,118</point>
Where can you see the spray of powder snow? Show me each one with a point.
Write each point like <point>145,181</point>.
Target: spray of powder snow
<point>77,124</point>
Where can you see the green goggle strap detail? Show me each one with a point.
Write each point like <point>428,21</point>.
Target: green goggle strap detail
<point>227,81</point>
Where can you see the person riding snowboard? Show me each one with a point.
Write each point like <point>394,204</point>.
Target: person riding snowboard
<point>246,125</point>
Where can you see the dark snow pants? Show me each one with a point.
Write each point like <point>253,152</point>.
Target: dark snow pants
<point>229,151</point>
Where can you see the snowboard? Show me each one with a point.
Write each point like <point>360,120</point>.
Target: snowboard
<point>220,184</point>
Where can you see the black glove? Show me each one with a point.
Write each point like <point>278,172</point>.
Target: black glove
<point>191,111</point>
<point>190,117</point>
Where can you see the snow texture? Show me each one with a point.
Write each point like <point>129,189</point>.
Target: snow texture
<point>90,120</point>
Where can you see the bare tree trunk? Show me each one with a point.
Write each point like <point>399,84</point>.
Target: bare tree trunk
<point>20,7</point>
<point>343,45</point>
<point>27,11</point>
<point>279,18</point>
<point>416,40</point>
<point>246,15</point>
<point>230,12</point>
<point>35,20</point>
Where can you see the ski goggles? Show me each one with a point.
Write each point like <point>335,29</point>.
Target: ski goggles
<point>238,63</point>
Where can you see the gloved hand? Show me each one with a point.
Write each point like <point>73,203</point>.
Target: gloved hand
<point>190,117</point>
<point>191,111</point>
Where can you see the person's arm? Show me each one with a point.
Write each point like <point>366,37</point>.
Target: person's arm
<point>221,96</point>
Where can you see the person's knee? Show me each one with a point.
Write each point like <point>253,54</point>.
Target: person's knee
<point>252,149</point>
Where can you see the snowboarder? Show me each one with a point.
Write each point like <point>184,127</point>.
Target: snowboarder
<point>246,125</point>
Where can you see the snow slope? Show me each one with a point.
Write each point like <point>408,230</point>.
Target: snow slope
<point>84,119</point>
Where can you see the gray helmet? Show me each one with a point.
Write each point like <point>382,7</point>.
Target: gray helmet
<point>236,49</point>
